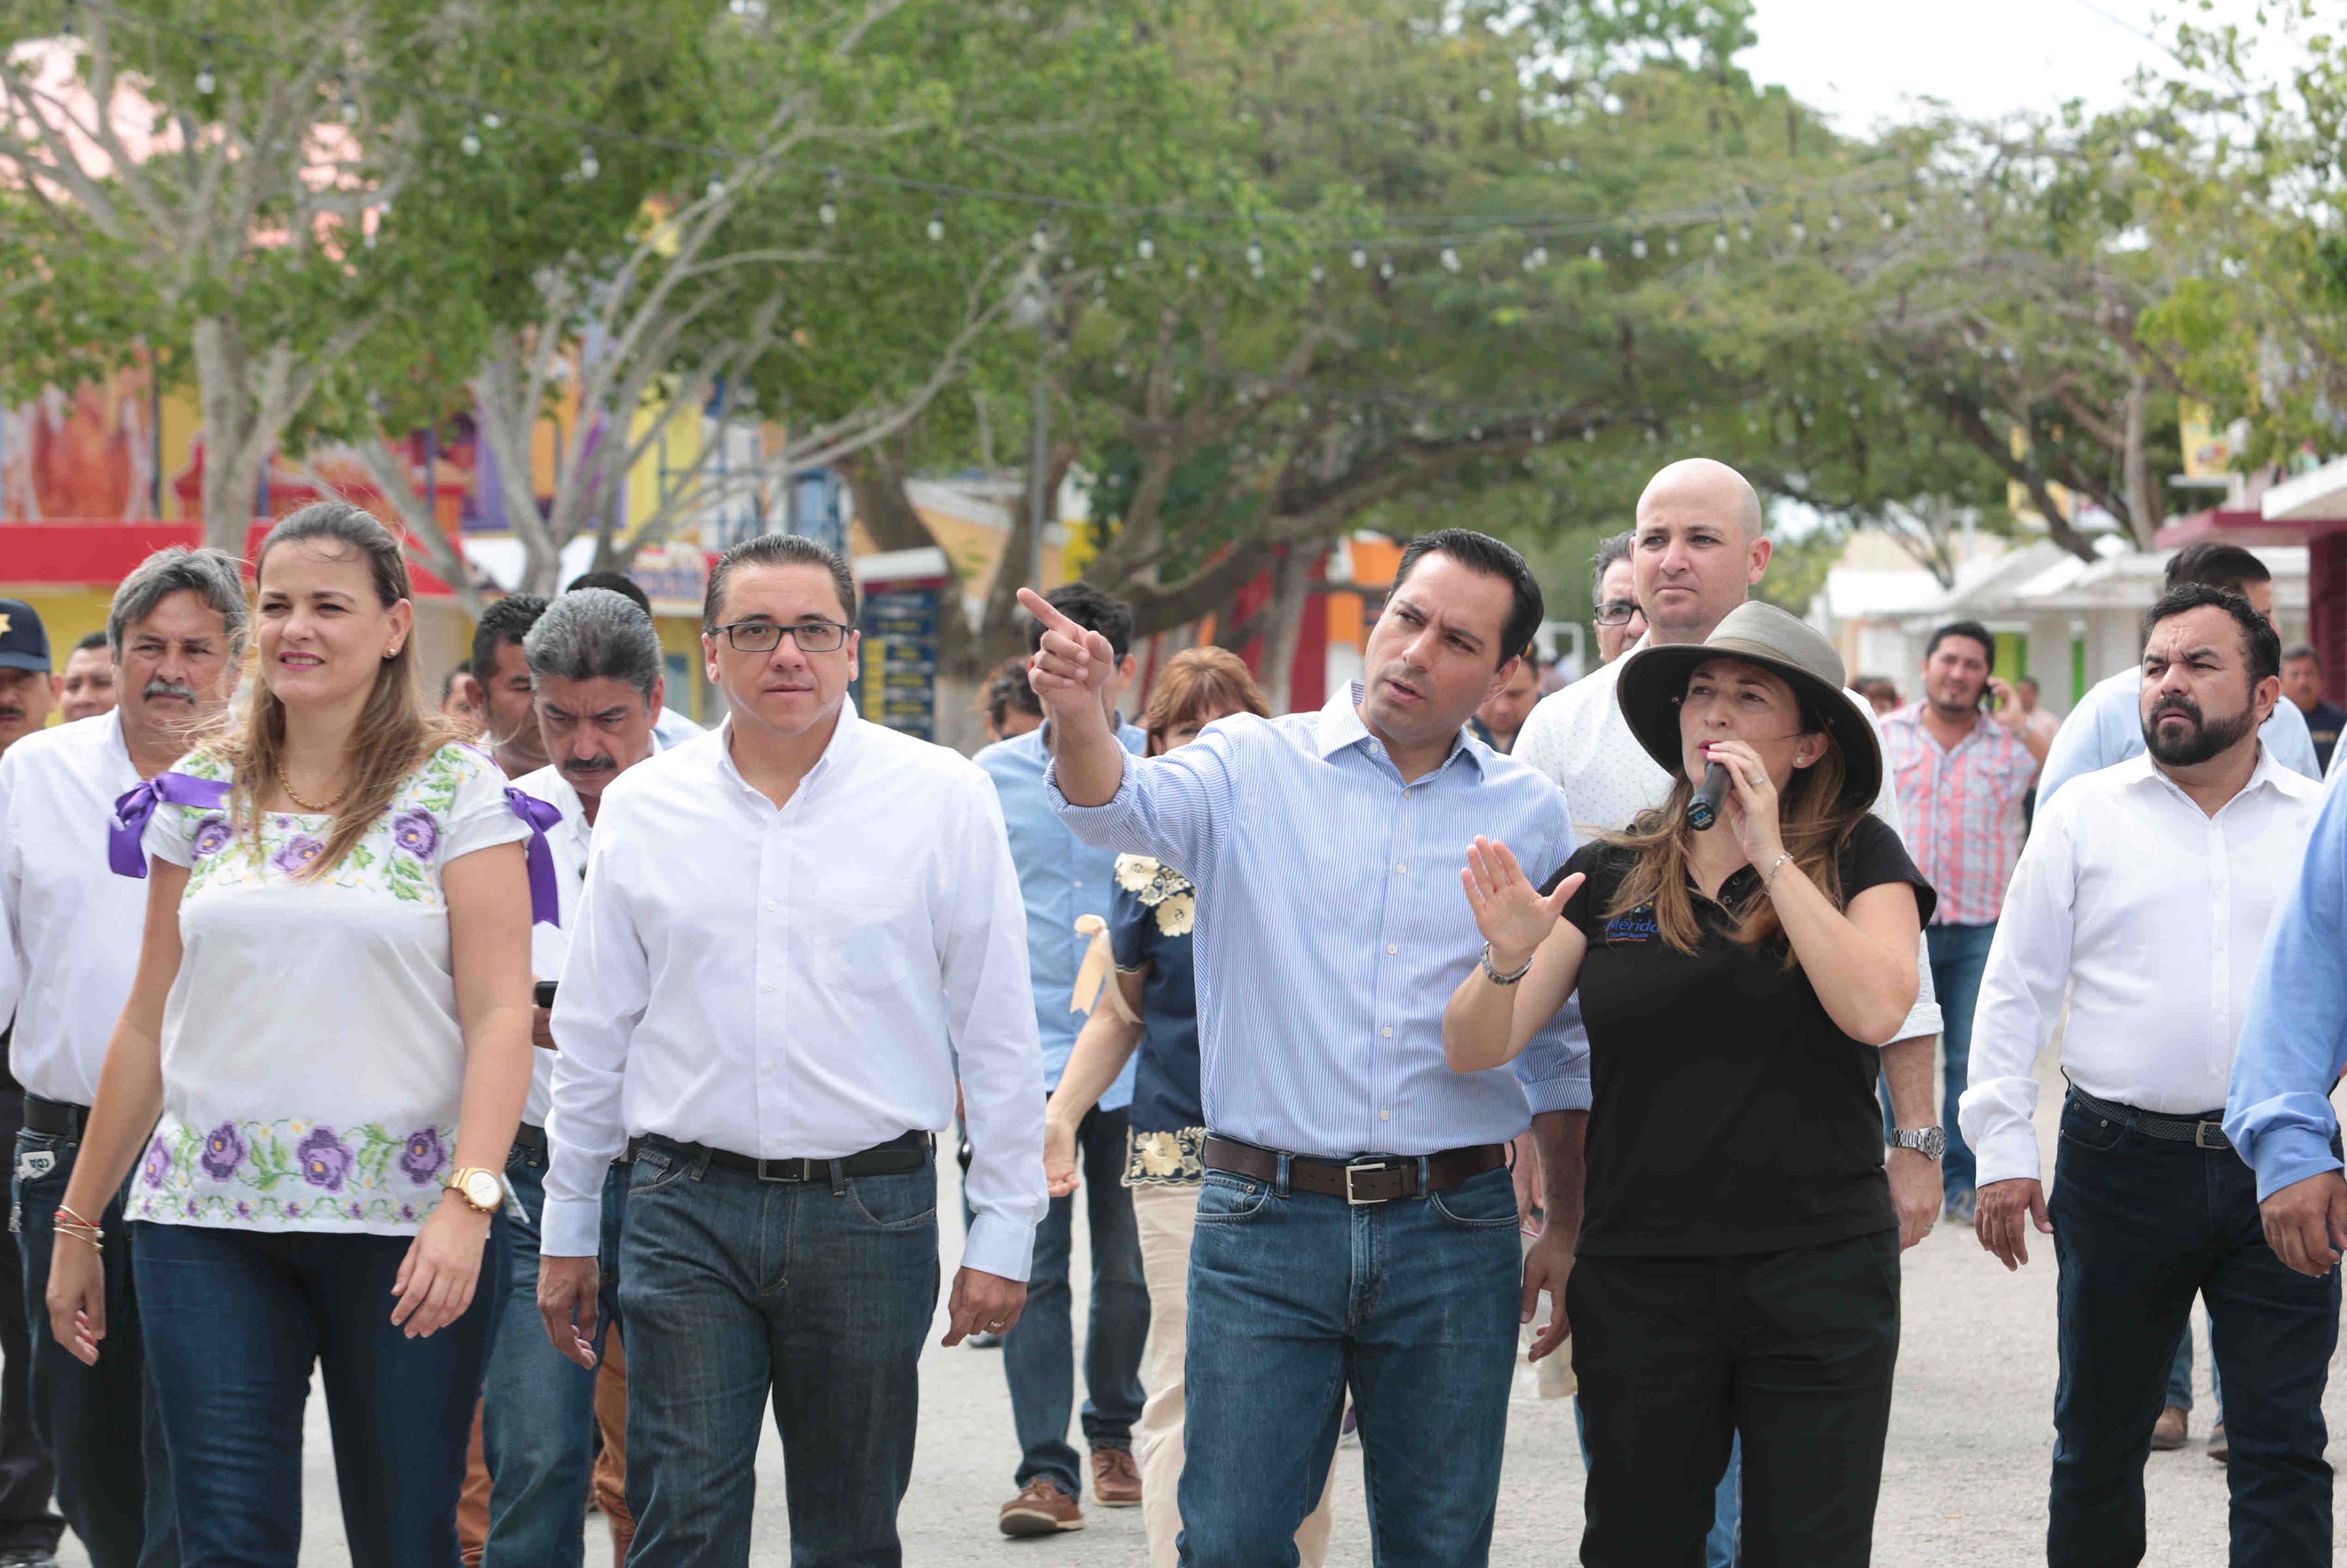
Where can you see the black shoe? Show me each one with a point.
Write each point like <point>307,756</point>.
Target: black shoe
<point>27,1557</point>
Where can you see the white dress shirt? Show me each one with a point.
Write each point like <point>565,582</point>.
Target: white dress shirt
<point>1579,739</point>
<point>2153,914</point>
<point>549,942</point>
<point>799,982</point>
<point>73,926</point>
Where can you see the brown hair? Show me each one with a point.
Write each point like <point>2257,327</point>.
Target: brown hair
<point>395,733</point>
<point>1196,682</point>
<point>1813,819</point>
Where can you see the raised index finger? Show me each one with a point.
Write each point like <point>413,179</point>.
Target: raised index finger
<point>1042,610</point>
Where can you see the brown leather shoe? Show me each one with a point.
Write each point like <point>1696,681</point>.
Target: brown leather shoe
<point>1116,1481</point>
<point>2171,1431</point>
<point>1042,1508</point>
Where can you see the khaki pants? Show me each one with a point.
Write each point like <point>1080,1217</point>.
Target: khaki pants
<point>1166,1217</point>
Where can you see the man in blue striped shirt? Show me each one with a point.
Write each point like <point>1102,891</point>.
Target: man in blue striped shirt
<point>1357,1226</point>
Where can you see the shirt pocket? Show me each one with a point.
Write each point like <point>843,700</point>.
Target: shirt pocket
<point>877,938</point>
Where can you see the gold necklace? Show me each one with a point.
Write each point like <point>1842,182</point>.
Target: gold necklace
<point>292,795</point>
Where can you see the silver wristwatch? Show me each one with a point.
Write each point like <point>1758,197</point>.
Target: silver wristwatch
<point>1928,1141</point>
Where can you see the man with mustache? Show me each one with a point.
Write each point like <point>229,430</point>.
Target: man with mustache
<point>595,663</point>
<point>2146,893</point>
<point>177,628</point>
<point>86,688</point>
<point>27,688</point>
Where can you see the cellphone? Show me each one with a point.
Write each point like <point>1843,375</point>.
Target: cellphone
<point>546,993</point>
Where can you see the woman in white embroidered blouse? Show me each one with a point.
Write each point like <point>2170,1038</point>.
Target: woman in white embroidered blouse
<point>330,1026</point>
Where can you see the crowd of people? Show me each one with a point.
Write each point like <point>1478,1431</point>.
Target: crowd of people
<point>562,1083</point>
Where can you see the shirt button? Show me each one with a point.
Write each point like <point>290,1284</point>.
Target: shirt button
<point>765,985</point>
<point>1391,948</point>
<point>1385,1115</point>
<point>1076,883</point>
<point>1401,868</point>
<point>1388,1031</point>
<point>771,904</point>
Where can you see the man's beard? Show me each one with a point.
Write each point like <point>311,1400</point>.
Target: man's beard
<point>2204,740</point>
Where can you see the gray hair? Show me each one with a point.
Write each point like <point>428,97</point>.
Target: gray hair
<point>595,634</point>
<point>211,575</point>
<point>1609,550</point>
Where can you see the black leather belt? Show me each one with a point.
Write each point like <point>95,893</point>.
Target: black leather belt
<point>530,1140</point>
<point>1373,1179</point>
<point>2206,1131</point>
<point>57,1117</point>
<point>898,1156</point>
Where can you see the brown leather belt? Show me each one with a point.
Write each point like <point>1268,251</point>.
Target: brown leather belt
<point>1375,1179</point>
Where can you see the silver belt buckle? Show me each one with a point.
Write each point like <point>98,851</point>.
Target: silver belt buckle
<point>2202,1131</point>
<point>1353,1169</point>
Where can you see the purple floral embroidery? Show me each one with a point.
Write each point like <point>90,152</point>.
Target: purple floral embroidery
<point>357,1212</point>
<point>194,1208</point>
<point>417,833</point>
<point>298,851</point>
<point>243,1209</point>
<point>422,1158</point>
<point>407,1211</point>
<point>212,836</point>
<point>325,1160</point>
<point>292,1211</point>
<point>223,1151</point>
<point>159,1163</point>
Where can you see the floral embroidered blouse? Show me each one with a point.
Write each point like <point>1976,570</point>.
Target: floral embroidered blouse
<point>1150,917</point>
<point>312,1060</point>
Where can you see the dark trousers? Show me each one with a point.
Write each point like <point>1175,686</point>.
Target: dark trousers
<point>812,1297</point>
<point>2140,1225</point>
<point>236,1320</point>
<point>100,1424</point>
<point>1793,1350</point>
<point>26,1478</point>
<point>1039,1353</point>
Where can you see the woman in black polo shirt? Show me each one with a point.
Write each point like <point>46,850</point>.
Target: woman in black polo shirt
<point>1737,1265</point>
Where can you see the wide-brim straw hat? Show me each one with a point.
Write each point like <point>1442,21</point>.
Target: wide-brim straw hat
<point>1653,679</point>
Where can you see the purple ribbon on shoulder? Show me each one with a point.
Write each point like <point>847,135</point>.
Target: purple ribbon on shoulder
<point>126,835</point>
<point>545,899</point>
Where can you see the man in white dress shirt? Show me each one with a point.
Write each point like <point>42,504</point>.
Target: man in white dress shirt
<point>595,665</point>
<point>793,930</point>
<point>177,628</point>
<point>2146,891</point>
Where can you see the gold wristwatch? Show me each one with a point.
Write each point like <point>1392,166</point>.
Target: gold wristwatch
<point>484,1190</point>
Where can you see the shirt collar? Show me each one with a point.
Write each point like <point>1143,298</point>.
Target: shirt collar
<point>2141,768</point>
<point>838,753</point>
<point>1339,726</point>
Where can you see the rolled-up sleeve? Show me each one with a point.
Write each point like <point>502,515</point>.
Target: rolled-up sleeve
<point>2020,997</point>
<point>1553,1067</point>
<point>2278,1111</point>
<point>991,1017</point>
<point>606,985</point>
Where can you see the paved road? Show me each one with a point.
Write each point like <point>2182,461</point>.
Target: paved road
<point>1965,1479</point>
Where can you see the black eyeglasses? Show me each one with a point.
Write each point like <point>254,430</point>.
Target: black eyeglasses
<point>1617,612</point>
<point>765,636</point>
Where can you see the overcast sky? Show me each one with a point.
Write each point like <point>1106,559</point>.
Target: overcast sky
<point>1870,60</point>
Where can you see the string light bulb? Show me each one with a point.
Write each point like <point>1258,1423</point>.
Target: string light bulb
<point>1596,251</point>
<point>1146,246</point>
<point>1638,247</point>
<point>490,121</point>
<point>470,141</point>
<point>1800,229</point>
<point>716,190</point>
<point>206,83</point>
<point>1671,244</point>
<point>1720,241</point>
<point>936,229</point>
<point>1450,260</point>
<point>1254,253</point>
<point>1361,258</point>
<point>347,106</point>
<point>1041,240</point>
<point>588,167</point>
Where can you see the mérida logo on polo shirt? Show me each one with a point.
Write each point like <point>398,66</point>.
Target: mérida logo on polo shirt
<point>1637,926</point>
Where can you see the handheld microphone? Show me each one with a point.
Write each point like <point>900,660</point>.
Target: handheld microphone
<point>1702,810</point>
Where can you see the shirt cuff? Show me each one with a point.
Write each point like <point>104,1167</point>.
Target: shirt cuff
<point>1079,817</point>
<point>997,1246</point>
<point>570,1227</point>
<point>1922,1020</point>
<point>2007,1156</point>
<point>2287,1155</point>
<point>1565,1092</point>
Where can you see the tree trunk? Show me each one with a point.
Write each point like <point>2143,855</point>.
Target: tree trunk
<point>2144,508</point>
<point>1291,585</point>
<point>236,444</point>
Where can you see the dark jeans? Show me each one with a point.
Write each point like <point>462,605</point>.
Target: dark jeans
<point>538,1408</point>
<point>1039,1353</point>
<point>237,1320</point>
<point>2140,1225</point>
<point>100,1424</point>
<point>813,1296</point>
<point>1791,1350</point>
<point>2179,1376</point>
<point>1294,1298</point>
<point>27,1477</point>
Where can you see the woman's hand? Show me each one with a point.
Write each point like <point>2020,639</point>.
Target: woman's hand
<point>1509,910</point>
<point>1754,820</point>
<point>442,1267</point>
<point>77,1297</point>
<point>1059,1156</point>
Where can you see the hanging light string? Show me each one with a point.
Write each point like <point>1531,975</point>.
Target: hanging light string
<point>1441,234</point>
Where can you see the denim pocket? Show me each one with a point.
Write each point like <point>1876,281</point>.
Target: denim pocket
<point>898,1201</point>
<point>44,1162</point>
<point>655,1169</point>
<point>1484,1202</point>
<point>1223,1198</point>
<point>2088,1130</point>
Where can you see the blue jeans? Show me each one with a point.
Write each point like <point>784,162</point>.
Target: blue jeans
<point>2179,1375</point>
<point>537,1410</point>
<point>1294,1298</point>
<point>1726,1503</point>
<point>235,1321</point>
<point>814,1295</point>
<point>1039,1353</point>
<point>113,1489</point>
<point>2141,1227</point>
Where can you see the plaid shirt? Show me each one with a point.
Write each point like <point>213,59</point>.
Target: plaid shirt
<point>1961,808</point>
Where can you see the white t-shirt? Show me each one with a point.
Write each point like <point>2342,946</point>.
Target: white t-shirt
<point>313,1064</point>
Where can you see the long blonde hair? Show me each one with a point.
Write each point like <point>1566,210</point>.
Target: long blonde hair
<point>395,733</point>
<point>1812,817</point>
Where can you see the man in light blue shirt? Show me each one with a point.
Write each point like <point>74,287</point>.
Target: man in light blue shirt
<point>2105,727</point>
<point>1356,1227</point>
<point>1062,878</point>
